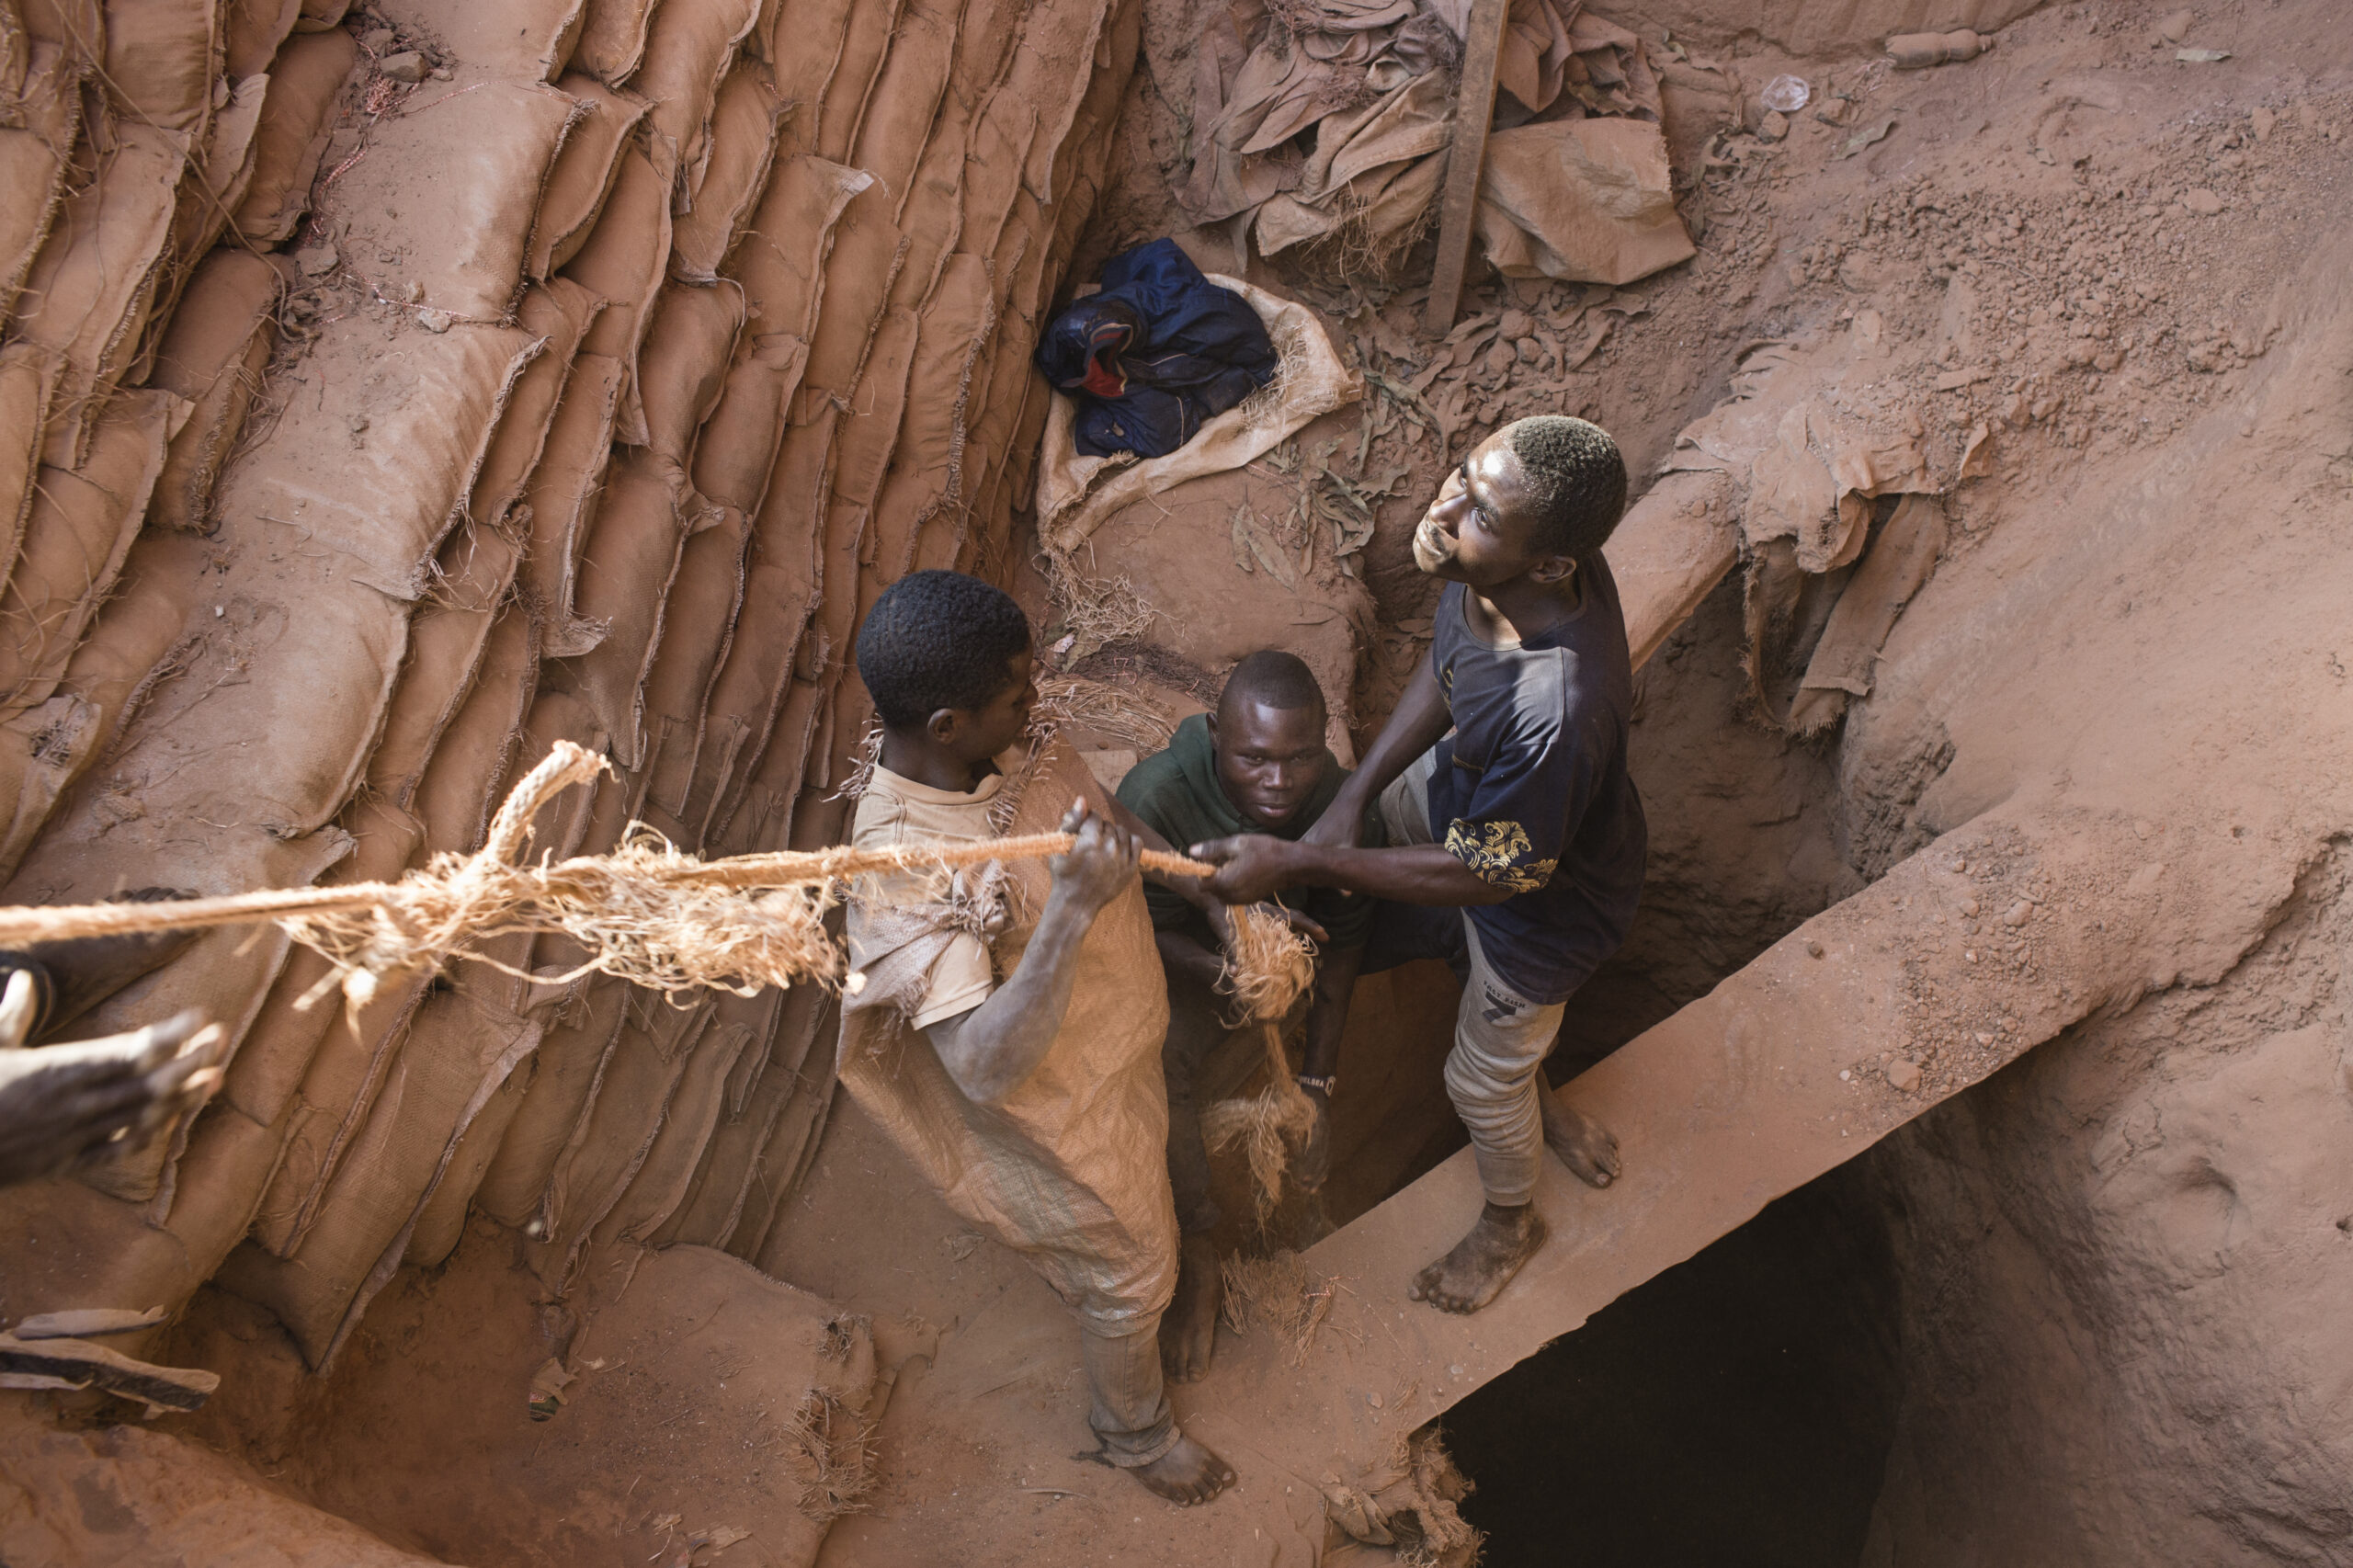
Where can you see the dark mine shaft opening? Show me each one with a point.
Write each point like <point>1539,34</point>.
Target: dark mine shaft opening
<point>1736,1410</point>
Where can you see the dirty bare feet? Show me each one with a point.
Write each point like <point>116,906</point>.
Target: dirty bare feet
<point>1482,1262</point>
<point>1187,1474</point>
<point>1587,1148</point>
<point>1188,1332</point>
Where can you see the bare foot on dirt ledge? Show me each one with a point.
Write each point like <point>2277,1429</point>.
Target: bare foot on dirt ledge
<point>1587,1148</point>
<point>1187,1474</point>
<point>1188,1333</point>
<point>1482,1262</point>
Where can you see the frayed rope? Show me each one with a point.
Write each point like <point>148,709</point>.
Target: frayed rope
<point>647,912</point>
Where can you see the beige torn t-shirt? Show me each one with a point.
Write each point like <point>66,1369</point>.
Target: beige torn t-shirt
<point>899,810</point>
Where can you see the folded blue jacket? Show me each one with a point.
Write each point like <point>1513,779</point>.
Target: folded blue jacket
<point>1160,350</point>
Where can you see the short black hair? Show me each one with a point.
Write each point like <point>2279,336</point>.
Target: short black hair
<point>1279,680</point>
<point>1576,478</point>
<point>938,639</point>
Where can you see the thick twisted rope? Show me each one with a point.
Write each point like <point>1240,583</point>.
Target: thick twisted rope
<point>647,912</point>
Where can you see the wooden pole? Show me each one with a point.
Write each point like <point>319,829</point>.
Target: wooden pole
<point>1474,110</point>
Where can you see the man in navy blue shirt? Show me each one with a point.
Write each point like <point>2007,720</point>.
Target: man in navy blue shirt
<point>1516,839</point>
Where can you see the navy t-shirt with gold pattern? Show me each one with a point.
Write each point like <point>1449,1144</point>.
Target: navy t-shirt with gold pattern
<point>1530,790</point>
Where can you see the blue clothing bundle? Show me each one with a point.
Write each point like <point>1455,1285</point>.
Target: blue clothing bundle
<point>1160,350</point>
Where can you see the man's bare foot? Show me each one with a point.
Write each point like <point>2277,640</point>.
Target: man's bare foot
<point>1187,1474</point>
<point>1188,1332</point>
<point>1587,1148</point>
<point>1482,1262</point>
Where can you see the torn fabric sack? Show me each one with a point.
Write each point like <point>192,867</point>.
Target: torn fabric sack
<point>1160,351</point>
<point>1582,200</point>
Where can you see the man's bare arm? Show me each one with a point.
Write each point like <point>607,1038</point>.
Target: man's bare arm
<point>991,1050</point>
<point>1255,866</point>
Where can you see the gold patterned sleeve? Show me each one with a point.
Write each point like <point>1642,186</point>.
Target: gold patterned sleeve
<point>1499,852</point>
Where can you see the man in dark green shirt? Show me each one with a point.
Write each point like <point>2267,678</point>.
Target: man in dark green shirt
<point>1257,764</point>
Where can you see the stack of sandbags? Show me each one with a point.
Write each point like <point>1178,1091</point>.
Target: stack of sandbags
<point>615,355</point>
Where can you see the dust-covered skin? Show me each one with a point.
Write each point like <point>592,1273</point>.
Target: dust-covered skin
<point>1188,1329</point>
<point>1484,1261</point>
<point>1587,1148</point>
<point>63,1105</point>
<point>1187,1474</point>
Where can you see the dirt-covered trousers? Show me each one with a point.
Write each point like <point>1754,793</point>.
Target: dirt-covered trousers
<point>1128,1406</point>
<point>1194,1030</point>
<point>1494,1073</point>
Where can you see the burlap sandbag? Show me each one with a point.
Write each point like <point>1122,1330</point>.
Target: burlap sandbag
<point>213,354</point>
<point>76,534</point>
<point>684,363</point>
<point>135,649</point>
<point>210,189</point>
<point>347,1070</point>
<point>447,641</point>
<point>271,1063</point>
<point>624,263</point>
<point>42,750</point>
<point>738,450</point>
<point>1076,494</point>
<point>750,1158</point>
<point>161,58</point>
<point>662,1179</point>
<point>790,569</point>
<point>88,293</point>
<point>561,495</point>
<point>296,117</point>
<point>1588,201</point>
<point>555,314</point>
<point>698,625</point>
<point>582,178</point>
<point>386,494</point>
<point>626,570</point>
<point>33,158</point>
<point>688,51</point>
<point>612,39</point>
<point>562,1080</point>
<point>319,15</point>
<point>520,40</point>
<point>28,380</point>
<point>251,33</point>
<point>927,464</point>
<point>783,269</point>
<point>458,794</point>
<point>459,1049</point>
<point>1093,1115</point>
<point>464,172</point>
<point>745,122</point>
<point>610,1142</point>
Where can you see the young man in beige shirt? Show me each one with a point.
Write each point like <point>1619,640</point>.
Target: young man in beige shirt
<point>1005,1024</point>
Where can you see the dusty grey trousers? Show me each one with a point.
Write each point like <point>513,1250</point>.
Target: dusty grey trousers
<point>1128,1406</point>
<point>1194,1030</point>
<point>1501,1037</point>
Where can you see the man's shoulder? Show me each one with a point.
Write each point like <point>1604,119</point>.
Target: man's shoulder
<point>1155,785</point>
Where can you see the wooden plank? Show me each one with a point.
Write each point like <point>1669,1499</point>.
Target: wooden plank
<point>1474,110</point>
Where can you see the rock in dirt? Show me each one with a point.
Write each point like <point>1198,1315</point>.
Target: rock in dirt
<point>1916,52</point>
<point>406,66</point>
<point>316,261</point>
<point>2203,202</point>
<point>1903,1075</point>
<point>2175,26</point>
<point>1774,127</point>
